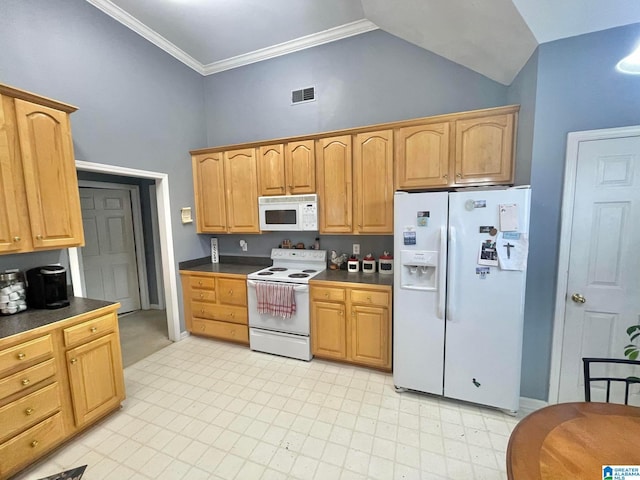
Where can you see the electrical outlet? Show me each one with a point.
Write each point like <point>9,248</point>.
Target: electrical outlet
<point>356,249</point>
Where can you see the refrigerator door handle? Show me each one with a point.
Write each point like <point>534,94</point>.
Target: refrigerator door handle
<point>452,269</point>
<point>443,276</point>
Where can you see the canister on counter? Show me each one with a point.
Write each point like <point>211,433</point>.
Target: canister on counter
<point>385,263</point>
<point>369,264</point>
<point>12,292</point>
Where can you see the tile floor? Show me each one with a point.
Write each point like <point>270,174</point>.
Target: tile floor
<point>202,409</point>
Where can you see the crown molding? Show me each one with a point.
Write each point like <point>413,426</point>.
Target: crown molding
<point>302,43</point>
<point>320,38</point>
<point>141,29</point>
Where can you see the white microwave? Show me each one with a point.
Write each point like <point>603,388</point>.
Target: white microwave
<point>284,213</point>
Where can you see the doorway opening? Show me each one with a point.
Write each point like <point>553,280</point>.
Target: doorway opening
<point>163,257</point>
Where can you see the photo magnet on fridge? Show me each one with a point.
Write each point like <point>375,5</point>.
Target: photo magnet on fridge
<point>423,219</point>
<point>409,238</point>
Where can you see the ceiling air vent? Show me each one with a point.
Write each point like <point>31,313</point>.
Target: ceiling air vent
<point>303,95</point>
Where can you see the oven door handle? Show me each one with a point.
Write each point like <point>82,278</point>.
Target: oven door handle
<point>299,288</point>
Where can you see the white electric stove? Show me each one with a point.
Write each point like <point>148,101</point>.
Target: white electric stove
<point>288,337</point>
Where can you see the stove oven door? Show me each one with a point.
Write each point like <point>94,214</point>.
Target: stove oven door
<point>297,324</point>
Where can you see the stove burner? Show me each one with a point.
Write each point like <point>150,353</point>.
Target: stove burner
<point>298,275</point>
<point>277,269</point>
<point>310,270</point>
<point>265,273</point>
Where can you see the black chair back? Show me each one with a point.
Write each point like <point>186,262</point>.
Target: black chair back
<point>628,381</point>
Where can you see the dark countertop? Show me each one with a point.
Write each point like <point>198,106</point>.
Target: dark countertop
<point>228,264</point>
<point>355,277</point>
<point>34,318</point>
<point>246,265</point>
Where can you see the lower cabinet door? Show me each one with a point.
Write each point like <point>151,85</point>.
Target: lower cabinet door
<point>96,379</point>
<point>329,330</point>
<point>370,335</point>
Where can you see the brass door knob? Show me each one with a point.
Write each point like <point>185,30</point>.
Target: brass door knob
<point>16,239</point>
<point>94,329</point>
<point>576,297</point>
<point>74,361</point>
<point>28,411</point>
<point>21,356</point>
<point>34,444</point>
<point>25,381</point>
<point>38,237</point>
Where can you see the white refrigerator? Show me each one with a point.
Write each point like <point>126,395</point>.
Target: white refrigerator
<point>459,287</point>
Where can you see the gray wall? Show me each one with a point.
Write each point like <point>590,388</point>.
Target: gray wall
<point>577,89</point>
<point>367,79</point>
<point>138,106</point>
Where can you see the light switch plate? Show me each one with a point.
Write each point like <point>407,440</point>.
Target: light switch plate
<point>185,215</point>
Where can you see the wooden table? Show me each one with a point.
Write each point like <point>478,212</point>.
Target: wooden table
<point>574,441</point>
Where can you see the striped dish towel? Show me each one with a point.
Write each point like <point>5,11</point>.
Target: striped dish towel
<point>277,299</point>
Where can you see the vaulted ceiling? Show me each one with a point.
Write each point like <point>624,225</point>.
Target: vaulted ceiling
<point>492,37</point>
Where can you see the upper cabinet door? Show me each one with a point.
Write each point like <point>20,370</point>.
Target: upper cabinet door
<point>13,235</point>
<point>271,170</point>
<point>49,170</point>
<point>484,150</point>
<point>423,156</point>
<point>242,190</point>
<point>373,182</point>
<point>208,186</point>
<point>335,189</point>
<point>301,167</point>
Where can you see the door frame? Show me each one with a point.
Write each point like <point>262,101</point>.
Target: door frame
<point>166,241</point>
<point>574,139</point>
<point>138,236</point>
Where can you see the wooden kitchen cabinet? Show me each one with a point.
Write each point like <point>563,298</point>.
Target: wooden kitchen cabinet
<point>241,185</point>
<point>56,381</point>
<point>335,189</point>
<point>40,202</point>
<point>484,149</point>
<point>287,169</point>
<point>464,149</point>
<point>351,323</point>
<point>422,153</point>
<point>226,191</point>
<point>215,305</point>
<point>373,182</point>
<point>94,367</point>
<point>210,194</point>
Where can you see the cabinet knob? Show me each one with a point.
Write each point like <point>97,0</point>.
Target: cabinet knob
<point>94,329</point>
<point>340,313</point>
<point>369,299</point>
<point>290,187</point>
<point>445,176</point>
<point>326,295</point>
<point>38,237</point>
<point>202,311</point>
<point>28,411</point>
<point>25,381</point>
<point>34,444</point>
<point>232,314</point>
<point>16,239</point>
<point>459,175</point>
<point>200,282</point>
<point>202,295</point>
<point>21,356</point>
<point>74,361</point>
<point>230,293</point>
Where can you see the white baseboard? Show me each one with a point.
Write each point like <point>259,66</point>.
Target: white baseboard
<point>528,405</point>
<point>184,335</point>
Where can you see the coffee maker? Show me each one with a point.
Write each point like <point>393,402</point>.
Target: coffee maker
<point>47,287</point>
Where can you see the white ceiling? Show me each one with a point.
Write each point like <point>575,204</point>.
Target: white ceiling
<point>492,37</point>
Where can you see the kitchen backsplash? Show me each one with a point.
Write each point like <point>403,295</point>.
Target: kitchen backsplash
<point>261,245</point>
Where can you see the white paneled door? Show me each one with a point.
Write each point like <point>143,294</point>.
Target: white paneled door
<point>603,285</point>
<point>108,257</point>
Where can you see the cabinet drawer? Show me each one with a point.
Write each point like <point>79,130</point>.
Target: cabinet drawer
<point>26,378</point>
<point>90,329</point>
<point>232,291</point>
<point>370,297</point>
<point>224,330</point>
<point>203,295</point>
<point>219,312</point>
<point>25,353</point>
<point>207,283</point>
<point>27,410</point>
<point>29,445</point>
<point>328,293</point>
